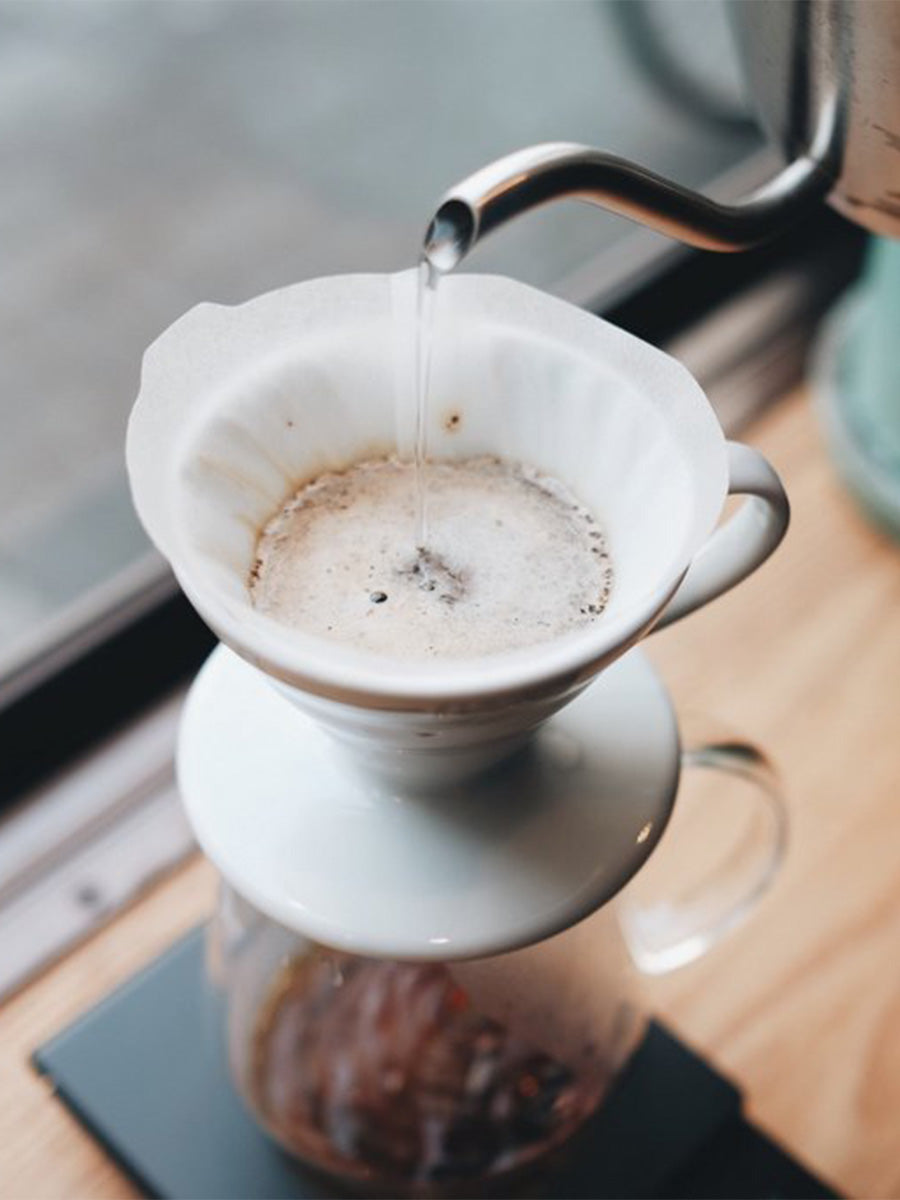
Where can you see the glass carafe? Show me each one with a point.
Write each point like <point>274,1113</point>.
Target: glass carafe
<point>459,1077</point>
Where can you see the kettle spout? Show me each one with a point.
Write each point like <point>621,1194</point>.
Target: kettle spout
<point>540,174</point>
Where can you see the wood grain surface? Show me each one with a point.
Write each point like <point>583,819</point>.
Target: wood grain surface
<point>801,1005</point>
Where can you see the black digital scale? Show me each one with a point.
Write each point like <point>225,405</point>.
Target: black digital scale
<point>145,1073</point>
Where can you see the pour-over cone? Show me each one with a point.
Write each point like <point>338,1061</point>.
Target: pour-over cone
<point>240,406</point>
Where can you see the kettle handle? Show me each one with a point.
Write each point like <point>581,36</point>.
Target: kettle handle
<point>729,810</point>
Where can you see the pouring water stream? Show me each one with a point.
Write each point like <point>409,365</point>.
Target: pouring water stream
<point>444,247</point>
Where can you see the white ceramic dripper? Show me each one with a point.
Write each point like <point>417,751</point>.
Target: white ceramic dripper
<point>239,406</point>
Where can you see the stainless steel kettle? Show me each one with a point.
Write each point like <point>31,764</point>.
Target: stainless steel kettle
<point>826,78</point>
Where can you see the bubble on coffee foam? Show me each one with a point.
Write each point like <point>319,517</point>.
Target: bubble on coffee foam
<point>513,559</point>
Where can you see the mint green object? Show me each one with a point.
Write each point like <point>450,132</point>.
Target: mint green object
<point>856,373</point>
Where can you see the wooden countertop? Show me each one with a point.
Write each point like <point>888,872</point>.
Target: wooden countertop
<point>802,1005</point>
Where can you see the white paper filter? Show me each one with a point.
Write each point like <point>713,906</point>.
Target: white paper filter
<point>239,406</point>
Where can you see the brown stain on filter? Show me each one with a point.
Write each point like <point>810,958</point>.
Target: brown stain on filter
<point>453,421</point>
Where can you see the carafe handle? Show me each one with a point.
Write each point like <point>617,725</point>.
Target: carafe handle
<point>720,854</point>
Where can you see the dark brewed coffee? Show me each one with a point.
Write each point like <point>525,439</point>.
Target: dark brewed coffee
<point>382,1070</point>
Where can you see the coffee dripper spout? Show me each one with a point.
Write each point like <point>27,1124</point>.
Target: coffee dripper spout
<point>541,174</point>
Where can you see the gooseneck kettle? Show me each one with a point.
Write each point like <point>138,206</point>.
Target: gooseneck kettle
<point>825,75</point>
